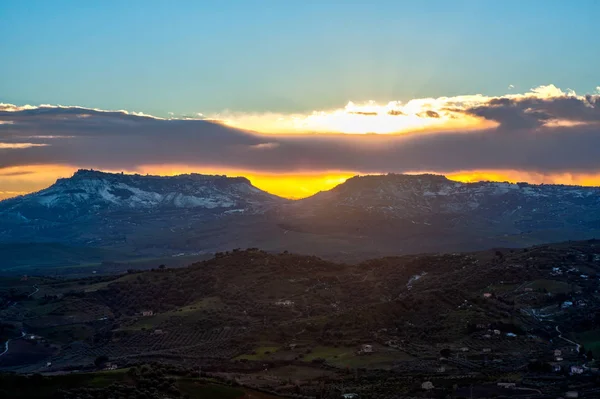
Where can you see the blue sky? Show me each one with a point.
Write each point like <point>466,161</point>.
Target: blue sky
<point>288,56</point>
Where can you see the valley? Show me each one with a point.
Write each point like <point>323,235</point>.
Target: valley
<point>289,324</point>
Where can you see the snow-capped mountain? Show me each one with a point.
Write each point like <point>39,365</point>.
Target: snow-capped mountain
<point>97,208</point>
<point>400,196</point>
<point>89,192</point>
<point>430,208</point>
<point>368,216</point>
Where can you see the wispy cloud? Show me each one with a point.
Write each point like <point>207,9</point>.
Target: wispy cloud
<point>16,146</point>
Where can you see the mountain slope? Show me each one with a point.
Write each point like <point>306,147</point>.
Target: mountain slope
<point>426,208</point>
<point>365,217</point>
<point>103,208</point>
<point>278,310</point>
<point>90,191</point>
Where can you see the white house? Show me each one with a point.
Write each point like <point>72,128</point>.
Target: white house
<point>427,385</point>
<point>576,370</point>
<point>507,385</point>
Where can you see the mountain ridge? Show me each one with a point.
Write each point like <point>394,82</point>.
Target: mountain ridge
<point>145,191</point>
<point>366,216</point>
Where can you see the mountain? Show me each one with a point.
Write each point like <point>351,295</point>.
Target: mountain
<point>90,191</point>
<point>363,218</point>
<point>424,209</point>
<point>99,207</point>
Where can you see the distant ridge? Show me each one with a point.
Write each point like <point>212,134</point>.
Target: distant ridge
<point>366,216</point>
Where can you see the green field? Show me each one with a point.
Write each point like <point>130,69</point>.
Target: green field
<point>28,255</point>
<point>590,340</point>
<point>348,357</point>
<point>261,353</point>
<point>200,390</point>
<point>43,387</point>
<point>553,286</point>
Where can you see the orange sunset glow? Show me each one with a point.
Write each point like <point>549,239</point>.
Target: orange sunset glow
<point>23,180</point>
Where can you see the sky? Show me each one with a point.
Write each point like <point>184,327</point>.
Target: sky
<point>299,95</point>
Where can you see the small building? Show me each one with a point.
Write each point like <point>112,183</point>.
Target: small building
<point>48,364</point>
<point>557,352</point>
<point>528,289</point>
<point>350,395</point>
<point>576,370</point>
<point>487,336</point>
<point>566,304</point>
<point>571,394</point>
<point>464,349</point>
<point>558,359</point>
<point>158,332</point>
<point>507,385</point>
<point>286,302</point>
<point>486,350</point>
<point>147,313</point>
<point>366,348</point>
<point>497,332</point>
<point>557,368</point>
<point>487,295</point>
<point>110,366</point>
<point>427,385</point>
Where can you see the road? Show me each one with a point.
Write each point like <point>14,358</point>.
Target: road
<point>568,340</point>
<point>7,342</point>
<point>34,292</point>
<point>36,289</point>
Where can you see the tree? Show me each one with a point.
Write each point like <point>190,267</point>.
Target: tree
<point>101,360</point>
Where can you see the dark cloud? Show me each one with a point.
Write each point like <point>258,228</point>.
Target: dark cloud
<point>532,112</point>
<point>16,173</point>
<point>395,112</point>
<point>428,114</point>
<point>116,140</point>
<point>364,113</point>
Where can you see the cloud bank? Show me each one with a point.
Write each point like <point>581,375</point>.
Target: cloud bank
<point>544,131</point>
